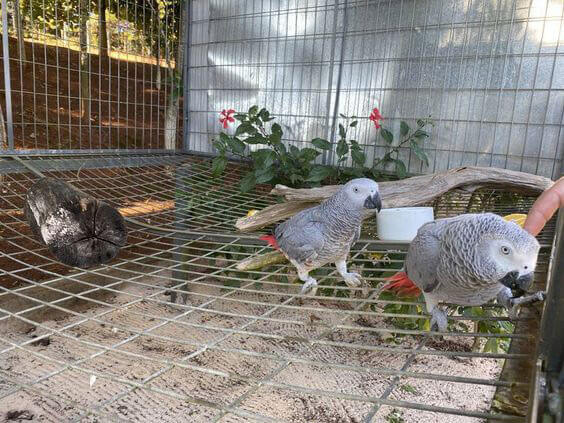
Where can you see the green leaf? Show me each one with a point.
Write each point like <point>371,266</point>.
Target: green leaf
<point>219,145</point>
<point>420,134</point>
<point>294,151</point>
<point>353,123</point>
<point>419,152</point>
<point>342,132</point>
<point>264,114</point>
<point>264,157</point>
<point>318,173</point>
<point>248,182</point>
<point>400,169</point>
<point>240,117</point>
<point>275,139</point>
<point>245,128</point>
<point>253,110</point>
<point>355,145</point>
<point>404,128</point>
<point>276,129</point>
<point>308,154</point>
<point>276,136</point>
<point>358,157</point>
<point>218,166</point>
<point>296,177</point>
<point>236,145</point>
<point>342,115</point>
<point>264,175</point>
<point>342,148</point>
<point>421,123</point>
<point>224,137</point>
<point>321,143</point>
<point>256,139</point>
<point>387,135</point>
<point>491,345</point>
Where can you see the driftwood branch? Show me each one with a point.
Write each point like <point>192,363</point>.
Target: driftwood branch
<point>405,193</point>
<point>258,262</point>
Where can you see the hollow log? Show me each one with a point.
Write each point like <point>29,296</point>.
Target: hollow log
<point>404,193</point>
<point>79,230</point>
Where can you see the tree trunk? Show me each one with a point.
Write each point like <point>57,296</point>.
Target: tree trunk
<point>102,30</point>
<point>3,136</point>
<point>19,32</point>
<point>171,117</point>
<point>156,46</point>
<point>3,139</point>
<point>84,62</point>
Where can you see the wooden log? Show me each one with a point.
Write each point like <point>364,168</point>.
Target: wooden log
<point>404,193</point>
<point>258,262</point>
<point>79,230</point>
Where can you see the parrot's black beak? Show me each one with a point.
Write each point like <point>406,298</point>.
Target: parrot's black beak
<point>373,202</point>
<point>518,284</point>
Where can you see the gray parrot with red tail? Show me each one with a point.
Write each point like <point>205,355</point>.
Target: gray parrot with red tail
<point>469,260</point>
<point>325,233</point>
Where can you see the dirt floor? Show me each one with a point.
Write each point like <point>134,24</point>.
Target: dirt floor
<point>127,108</point>
<point>131,342</point>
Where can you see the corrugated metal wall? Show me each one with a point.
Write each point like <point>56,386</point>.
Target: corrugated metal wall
<point>490,72</point>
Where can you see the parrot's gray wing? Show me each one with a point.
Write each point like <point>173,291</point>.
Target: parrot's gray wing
<point>301,237</point>
<point>356,236</point>
<point>423,256</point>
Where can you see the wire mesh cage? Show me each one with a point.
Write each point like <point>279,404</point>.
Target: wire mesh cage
<point>171,330</point>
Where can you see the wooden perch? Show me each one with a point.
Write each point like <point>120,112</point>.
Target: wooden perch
<point>258,262</point>
<point>404,193</point>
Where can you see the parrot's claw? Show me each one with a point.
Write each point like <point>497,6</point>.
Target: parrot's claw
<point>352,279</point>
<point>515,303</point>
<point>439,320</point>
<point>512,304</point>
<point>309,287</point>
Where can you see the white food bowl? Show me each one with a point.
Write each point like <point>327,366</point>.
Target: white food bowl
<point>401,224</point>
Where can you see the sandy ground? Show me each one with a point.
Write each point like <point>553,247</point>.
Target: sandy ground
<point>152,364</point>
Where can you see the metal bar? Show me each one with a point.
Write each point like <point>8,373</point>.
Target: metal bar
<point>7,77</point>
<point>339,80</point>
<point>327,156</point>
<point>551,347</point>
<point>187,38</point>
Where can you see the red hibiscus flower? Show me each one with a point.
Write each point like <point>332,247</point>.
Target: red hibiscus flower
<point>376,117</point>
<point>226,117</point>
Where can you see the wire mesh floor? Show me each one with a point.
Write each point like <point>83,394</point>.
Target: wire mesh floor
<point>170,331</point>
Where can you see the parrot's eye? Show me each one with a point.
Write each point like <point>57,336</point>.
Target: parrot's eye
<point>505,250</point>
<point>355,189</point>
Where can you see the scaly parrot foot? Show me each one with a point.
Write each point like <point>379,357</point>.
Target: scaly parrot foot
<point>526,299</point>
<point>512,304</point>
<point>439,320</point>
<point>352,279</point>
<point>309,287</point>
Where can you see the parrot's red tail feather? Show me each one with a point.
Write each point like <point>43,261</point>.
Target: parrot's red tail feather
<point>271,241</point>
<point>401,285</point>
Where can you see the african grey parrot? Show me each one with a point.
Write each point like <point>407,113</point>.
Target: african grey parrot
<point>469,260</point>
<point>325,233</point>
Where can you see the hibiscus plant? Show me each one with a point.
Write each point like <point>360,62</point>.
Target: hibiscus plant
<point>275,162</point>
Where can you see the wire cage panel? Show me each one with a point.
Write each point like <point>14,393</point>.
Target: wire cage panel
<point>83,75</point>
<point>489,73</point>
<point>172,331</point>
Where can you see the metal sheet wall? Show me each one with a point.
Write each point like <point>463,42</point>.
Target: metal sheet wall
<point>490,72</point>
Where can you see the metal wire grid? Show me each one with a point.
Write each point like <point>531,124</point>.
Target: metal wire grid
<point>485,71</point>
<point>129,93</point>
<point>243,347</point>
